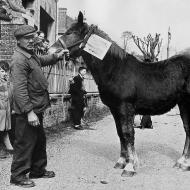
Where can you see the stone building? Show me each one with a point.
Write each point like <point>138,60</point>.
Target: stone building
<point>45,16</point>
<point>45,19</point>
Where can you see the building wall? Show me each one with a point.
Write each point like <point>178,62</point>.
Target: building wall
<point>59,110</point>
<point>7,40</point>
<point>64,20</point>
<point>50,6</point>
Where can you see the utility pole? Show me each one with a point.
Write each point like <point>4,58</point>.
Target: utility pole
<point>169,39</point>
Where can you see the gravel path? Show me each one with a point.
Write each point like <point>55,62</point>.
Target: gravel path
<point>84,160</point>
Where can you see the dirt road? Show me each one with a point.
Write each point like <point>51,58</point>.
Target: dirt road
<point>84,160</point>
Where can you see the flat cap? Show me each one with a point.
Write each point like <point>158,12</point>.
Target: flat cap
<point>24,30</point>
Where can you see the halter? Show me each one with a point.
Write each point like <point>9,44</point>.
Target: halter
<point>83,42</point>
<point>62,43</point>
<point>90,32</point>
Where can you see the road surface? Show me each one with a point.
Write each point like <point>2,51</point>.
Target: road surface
<point>84,160</point>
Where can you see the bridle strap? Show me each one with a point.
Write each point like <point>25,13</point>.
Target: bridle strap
<point>75,44</point>
<point>62,43</point>
<point>64,47</point>
<point>83,42</point>
<point>90,32</point>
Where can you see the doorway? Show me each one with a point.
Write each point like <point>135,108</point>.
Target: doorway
<point>46,23</point>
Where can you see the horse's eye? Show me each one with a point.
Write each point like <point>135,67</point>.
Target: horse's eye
<point>71,32</point>
<point>67,33</point>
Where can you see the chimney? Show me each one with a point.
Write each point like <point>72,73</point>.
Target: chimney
<point>62,20</point>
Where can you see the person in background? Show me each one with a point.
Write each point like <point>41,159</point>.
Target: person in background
<point>43,48</point>
<point>78,92</point>
<point>39,47</point>
<point>3,12</point>
<point>41,35</point>
<point>5,112</point>
<point>46,45</point>
<point>10,5</point>
<point>30,100</point>
<point>29,17</point>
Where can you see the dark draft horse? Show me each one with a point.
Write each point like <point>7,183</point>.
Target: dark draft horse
<point>128,87</point>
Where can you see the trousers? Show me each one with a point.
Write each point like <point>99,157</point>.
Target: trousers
<point>29,148</point>
<point>76,114</point>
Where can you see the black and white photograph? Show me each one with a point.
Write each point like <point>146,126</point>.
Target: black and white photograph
<point>94,94</point>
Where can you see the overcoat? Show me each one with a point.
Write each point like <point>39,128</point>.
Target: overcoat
<point>5,117</point>
<point>30,86</point>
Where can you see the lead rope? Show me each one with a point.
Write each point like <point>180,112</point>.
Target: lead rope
<point>64,47</point>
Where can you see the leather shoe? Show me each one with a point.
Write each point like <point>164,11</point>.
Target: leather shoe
<point>25,182</point>
<point>78,127</point>
<point>46,174</point>
<point>4,154</point>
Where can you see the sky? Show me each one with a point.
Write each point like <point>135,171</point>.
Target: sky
<point>140,17</point>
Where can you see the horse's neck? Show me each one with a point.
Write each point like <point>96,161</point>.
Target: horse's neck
<point>103,69</point>
<point>94,65</point>
<point>114,59</point>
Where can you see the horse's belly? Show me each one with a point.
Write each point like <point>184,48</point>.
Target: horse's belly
<point>148,106</point>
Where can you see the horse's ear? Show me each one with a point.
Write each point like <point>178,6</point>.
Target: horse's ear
<point>80,18</point>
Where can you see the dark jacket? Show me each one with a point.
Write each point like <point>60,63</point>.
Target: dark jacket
<point>77,92</point>
<point>29,83</point>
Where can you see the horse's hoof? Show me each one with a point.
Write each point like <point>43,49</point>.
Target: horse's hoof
<point>119,166</point>
<point>126,173</point>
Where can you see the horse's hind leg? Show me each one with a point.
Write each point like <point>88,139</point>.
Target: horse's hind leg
<point>184,162</point>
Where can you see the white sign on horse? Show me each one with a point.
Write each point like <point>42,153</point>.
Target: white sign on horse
<point>97,46</point>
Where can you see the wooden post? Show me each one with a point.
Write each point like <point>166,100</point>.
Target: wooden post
<point>65,75</point>
<point>0,29</point>
<point>168,46</point>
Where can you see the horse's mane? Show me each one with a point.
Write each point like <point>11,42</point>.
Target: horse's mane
<point>118,52</point>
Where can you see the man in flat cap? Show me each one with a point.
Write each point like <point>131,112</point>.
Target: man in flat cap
<point>31,98</point>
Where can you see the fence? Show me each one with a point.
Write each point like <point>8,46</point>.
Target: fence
<point>60,74</point>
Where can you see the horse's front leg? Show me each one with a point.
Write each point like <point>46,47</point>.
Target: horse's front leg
<point>129,149</point>
<point>121,163</point>
<point>125,127</point>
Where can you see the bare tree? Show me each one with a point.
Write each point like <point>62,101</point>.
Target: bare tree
<point>149,46</point>
<point>127,35</point>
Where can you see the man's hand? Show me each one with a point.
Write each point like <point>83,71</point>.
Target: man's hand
<point>33,119</point>
<point>62,53</point>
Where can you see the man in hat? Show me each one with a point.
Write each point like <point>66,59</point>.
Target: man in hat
<point>31,98</point>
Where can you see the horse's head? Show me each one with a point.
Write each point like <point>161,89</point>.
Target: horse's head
<point>76,36</point>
